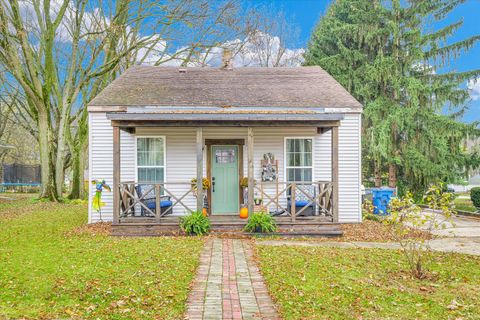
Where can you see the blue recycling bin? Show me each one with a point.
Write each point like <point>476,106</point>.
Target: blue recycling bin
<point>381,198</point>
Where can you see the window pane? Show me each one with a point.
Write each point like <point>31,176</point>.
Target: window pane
<point>296,145</point>
<point>297,161</point>
<point>150,152</point>
<point>306,160</point>
<point>298,175</point>
<point>150,175</point>
<point>289,159</point>
<point>289,145</point>
<point>307,145</point>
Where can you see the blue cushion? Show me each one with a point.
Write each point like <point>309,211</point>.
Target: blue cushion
<point>165,203</point>
<point>150,203</point>
<point>299,203</point>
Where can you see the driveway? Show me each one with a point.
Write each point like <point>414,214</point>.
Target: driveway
<point>461,226</point>
<point>461,236</point>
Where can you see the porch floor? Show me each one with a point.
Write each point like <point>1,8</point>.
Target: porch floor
<point>319,226</point>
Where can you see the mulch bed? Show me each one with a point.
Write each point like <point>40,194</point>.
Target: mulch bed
<point>374,231</point>
<point>99,228</point>
<point>370,231</point>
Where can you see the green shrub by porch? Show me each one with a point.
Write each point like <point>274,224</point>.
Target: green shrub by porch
<point>195,224</point>
<point>261,222</point>
<point>475,196</point>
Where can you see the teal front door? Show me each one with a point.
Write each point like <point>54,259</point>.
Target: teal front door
<point>225,180</point>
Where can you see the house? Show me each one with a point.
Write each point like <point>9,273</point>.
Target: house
<point>154,129</point>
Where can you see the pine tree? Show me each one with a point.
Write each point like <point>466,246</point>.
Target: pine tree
<point>386,54</point>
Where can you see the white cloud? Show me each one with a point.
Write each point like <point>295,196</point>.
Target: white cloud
<point>259,50</point>
<point>473,86</point>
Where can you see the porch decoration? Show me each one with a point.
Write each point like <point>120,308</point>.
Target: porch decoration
<point>269,167</point>
<point>244,186</point>
<point>244,213</point>
<point>206,185</point>
<point>97,203</point>
<point>205,182</point>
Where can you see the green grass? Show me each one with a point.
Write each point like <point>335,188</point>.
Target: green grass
<point>46,272</point>
<point>330,283</point>
<point>464,205</point>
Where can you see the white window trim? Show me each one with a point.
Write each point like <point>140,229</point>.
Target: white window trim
<point>164,157</point>
<point>285,166</point>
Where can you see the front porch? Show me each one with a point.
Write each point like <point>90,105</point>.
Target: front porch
<point>299,207</point>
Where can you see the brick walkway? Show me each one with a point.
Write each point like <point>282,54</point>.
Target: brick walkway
<point>229,284</point>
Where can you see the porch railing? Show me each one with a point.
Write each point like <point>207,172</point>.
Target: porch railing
<point>316,198</point>
<point>146,200</point>
<point>297,200</point>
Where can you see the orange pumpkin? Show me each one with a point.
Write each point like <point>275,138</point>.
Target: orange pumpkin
<point>204,212</point>
<point>244,213</point>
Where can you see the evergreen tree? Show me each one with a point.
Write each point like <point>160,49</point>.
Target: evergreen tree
<point>386,54</point>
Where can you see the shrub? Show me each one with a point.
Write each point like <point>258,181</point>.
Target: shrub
<point>475,197</point>
<point>404,212</point>
<point>367,211</point>
<point>195,224</point>
<point>261,222</point>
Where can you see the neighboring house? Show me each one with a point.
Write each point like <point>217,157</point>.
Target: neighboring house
<point>154,129</point>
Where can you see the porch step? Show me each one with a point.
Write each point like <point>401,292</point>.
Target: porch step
<point>234,229</point>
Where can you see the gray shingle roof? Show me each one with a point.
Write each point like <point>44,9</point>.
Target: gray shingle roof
<point>300,87</point>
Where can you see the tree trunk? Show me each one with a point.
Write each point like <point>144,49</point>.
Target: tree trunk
<point>79,158</point>
<point>76,174</point>
<point>377,175</point>
<point>392,175</point>
<point>60,156</point>
<point>48,189</point>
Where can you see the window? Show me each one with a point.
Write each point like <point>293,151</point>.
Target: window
<point>298,159</point>
<point>150,159</point>
<point>225,156</point>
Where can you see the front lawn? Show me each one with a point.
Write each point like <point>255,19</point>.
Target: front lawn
<point>464,204</point>
<point>47,271</point>
<point>332,283</point>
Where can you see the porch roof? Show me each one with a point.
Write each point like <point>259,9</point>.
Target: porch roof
<point>277,118</point>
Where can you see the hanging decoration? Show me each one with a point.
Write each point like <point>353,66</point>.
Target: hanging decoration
<point>269,168</point>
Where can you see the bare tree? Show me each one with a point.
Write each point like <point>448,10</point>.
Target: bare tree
<point>59,55</point>
<point>269,44</point>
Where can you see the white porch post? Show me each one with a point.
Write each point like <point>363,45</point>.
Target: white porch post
<point>335,173</point>
<point>199,169</point>
<point>116,174</point>
<point>251,182</point>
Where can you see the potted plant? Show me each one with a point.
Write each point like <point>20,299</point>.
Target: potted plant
<point>195,224</point>
<point>260,222</point>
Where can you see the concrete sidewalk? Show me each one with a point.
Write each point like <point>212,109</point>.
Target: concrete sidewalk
<point>458,245</point>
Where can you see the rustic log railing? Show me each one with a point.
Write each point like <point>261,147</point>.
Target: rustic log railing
<point>318,194</point>
<point>133,204</point>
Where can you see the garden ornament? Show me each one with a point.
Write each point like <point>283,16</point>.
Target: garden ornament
<point>97,203</point>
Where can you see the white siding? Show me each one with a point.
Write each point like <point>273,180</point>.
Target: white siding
<point>349,154</point>
<point>181,160</point>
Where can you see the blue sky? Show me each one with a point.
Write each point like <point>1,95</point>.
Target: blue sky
<point>306,13</point>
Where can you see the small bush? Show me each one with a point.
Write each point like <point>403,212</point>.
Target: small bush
<point>261,222</point>
<point>475,197</point>
<point>195,224</point>
<point>367,211</point>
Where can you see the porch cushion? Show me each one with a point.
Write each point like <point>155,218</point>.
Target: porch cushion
<point>299,203</point>
<point>163,204</point>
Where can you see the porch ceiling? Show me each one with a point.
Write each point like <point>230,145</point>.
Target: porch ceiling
<point>123,119</point>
